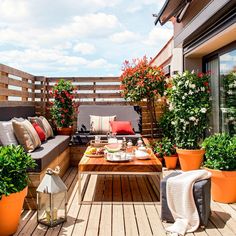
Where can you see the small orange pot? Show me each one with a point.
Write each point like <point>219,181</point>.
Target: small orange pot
<point>171,161</point>
<point>65,130</point>
<point>10,211</point>
<point>223,186</point>
<point>190,159</point>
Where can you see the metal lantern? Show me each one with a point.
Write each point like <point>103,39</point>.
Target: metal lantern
<point>51,199</point>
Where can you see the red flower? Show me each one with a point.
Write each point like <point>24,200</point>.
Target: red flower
<point>206,84</point>
<point>200,75</point>
<point>63,121</point>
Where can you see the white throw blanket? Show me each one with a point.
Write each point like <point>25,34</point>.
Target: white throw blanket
<point>179,193</point>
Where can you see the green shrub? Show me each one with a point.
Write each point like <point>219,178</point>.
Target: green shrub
<point>14,162</point>
<point>164,148</point>
<point>220,152</point>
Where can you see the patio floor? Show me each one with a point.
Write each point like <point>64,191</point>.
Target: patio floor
<point>120,205</point>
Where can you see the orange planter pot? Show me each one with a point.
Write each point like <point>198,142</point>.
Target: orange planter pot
<point>171,161</point>
<point>190,159</point>
<point>223,186</point>
<point>65,131</point>
<point>10,211</point>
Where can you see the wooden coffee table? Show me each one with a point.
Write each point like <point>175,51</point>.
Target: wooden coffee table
<point>100,166</point>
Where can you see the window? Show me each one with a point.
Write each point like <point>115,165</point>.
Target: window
<point>223,89</point>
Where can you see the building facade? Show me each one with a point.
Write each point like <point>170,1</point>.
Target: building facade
<point>205,40</point>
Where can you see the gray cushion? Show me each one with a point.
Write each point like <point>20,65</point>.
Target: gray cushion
<point>49,150</point>
<point>202,198</point>
<point>123,113</point>
<point>7,135</point>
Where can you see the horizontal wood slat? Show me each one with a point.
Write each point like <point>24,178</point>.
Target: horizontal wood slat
<point>15,93</point>
<point>13,82</point>
<point>85,79</point>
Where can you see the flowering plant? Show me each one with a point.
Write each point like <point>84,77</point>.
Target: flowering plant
<point>62,109</point>
<point>164,148</point>
<point>190,102</point>
<point>141,81</point>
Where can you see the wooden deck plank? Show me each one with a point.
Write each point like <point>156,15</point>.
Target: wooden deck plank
<point>220,225</point>
<point>88,196</point>
<point>94,220</point>
<point>125,188</point>
<point>106,220</point>
<point>117,220</point>
<point>146,197</point>
<point>136,197</point>
<point>116,188</point>
<point>108,189</point>
<point>142,220</point>
<point>131,228</point>
<point>99,188</point>
<point>155,222</point>
<point>82,220</point>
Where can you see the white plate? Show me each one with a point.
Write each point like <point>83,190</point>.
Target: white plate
<point>121,159</point>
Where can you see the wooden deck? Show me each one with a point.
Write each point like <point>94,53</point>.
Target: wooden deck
<point>120,205</point>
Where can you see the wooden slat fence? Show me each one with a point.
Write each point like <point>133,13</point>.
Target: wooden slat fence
<point>21,88</point>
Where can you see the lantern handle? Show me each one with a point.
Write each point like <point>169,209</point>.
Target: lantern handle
<point>55,171</point>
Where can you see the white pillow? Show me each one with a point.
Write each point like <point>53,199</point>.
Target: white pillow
<point>7,135</point>
<point>100,124</point>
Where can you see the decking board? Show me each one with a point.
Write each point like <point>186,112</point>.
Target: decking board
<point>120,205</point>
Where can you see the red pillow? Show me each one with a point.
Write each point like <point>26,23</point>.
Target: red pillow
<point>121,127</point>
<point>40,132</point>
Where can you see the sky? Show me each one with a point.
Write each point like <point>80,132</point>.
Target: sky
<point>78,37</point>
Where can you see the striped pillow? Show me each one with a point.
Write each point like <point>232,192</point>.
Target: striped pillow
<point>100,124</point>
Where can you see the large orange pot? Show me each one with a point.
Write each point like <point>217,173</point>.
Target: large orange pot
<point>171,161</point>
<point>223,186</point>
<point>65,130</point>
<point>190,159</point>
<point>10,211</point>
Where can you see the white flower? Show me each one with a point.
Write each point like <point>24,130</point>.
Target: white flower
<point>179,83</point>
<point>231,118</point>
<point>192,118</point>
<point>230,92</point>
<point>190,92</point>
<point>231,85</point>
<point>186,83</point>
<point>182,120</point>
<point>203,89</point>
<point>186,122</point>
<point>192,72</point>
<point>184,74</point>
<point>183,97</point>
<point>165,93</point>
<point>172,122</point>
<point>174,87</point>
<point>193,86</point>
<point>203,110</point>
<point>171,107</point>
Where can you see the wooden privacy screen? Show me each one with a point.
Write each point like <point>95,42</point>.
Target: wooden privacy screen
<point>20,88</point>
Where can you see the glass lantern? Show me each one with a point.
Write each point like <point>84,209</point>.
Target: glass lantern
<point>51,199</point>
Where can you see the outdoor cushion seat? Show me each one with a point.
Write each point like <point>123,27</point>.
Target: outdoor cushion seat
<point>49,150</point>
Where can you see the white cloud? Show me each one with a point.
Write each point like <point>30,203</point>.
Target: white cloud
<point>13,10</point>
<point>228,57</point>
<point>158,35</point>
<point>84,48</point>
<point>93,25</point>
<point>124,37</point>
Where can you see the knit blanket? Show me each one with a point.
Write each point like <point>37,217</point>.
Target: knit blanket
<point>179,193</point>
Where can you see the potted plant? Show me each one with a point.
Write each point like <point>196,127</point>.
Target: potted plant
<point>221,162</point>
<point>166,149</point>
<point>190,103</point>
<point>63,106</point>
<point>142,81</point>
<point>14,162</point>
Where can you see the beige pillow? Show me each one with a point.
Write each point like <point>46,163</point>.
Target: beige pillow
<point>26,134</point>
<point>47,127</point>
<point>100,124</point>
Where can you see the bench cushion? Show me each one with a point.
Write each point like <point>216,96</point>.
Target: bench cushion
<point>49,150</point>
<point>122,113</point>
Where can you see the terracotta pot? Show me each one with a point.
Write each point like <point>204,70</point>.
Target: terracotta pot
<point>190,159</point>
<point>223,186</point>
<point>171,161</point>
<point>10,211</point>
<point>65,130</point>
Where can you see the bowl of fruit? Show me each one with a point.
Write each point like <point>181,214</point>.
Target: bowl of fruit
<point>94,152</point>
